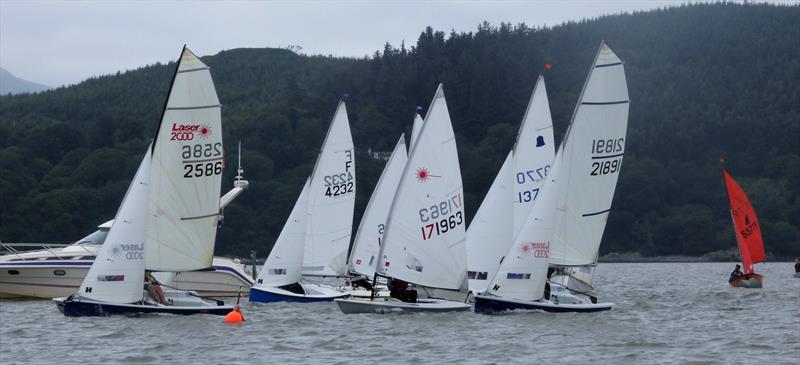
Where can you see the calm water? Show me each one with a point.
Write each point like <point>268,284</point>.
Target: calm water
<point>666,313</point>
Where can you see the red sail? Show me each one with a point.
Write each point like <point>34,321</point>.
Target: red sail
<point>748,231</point>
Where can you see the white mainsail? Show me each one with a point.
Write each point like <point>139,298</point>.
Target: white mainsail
<point>513,192</point>
<point>117,274</point>
<point>533,153</point>
<point>424,239</point>
<point>331,201</point>
<point>285,261</point>
<point>186,173</point>
<point>370,232</point>
<point>523,273</point>
<point>492,229</point>
<point>415,128</point>
<point>593,149</point>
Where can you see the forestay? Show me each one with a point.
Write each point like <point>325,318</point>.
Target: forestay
<point>285,261</point>
<point>424,239</point>
<point>186,173</point>
<point>117,274</point>
<point>373,225</point>
<point>593,151</point>
<point>523,273</point>
<point>330,202</point>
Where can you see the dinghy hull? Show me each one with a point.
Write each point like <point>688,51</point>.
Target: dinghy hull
<point>748,281</point>
<point>314,293</point>
<point>81,307</point>
<point>390,305</point>
<point>489,304</point>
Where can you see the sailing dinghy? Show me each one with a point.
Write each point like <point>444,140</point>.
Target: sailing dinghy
<point>169,216</point>
<point>567,224</point>
<point>748,235</point>
<point>424,239</point>
<point>315,238</point>
<point>513,192</point>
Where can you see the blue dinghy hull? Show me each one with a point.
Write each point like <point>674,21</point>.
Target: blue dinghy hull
<point>489,304</point>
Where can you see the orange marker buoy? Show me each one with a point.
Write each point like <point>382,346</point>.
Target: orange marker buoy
<point>548,66</point>
<point>235,316</point>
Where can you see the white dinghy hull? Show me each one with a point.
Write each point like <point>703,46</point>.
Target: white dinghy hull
<point>391,305</point>
<point>489,304</point>
<point>313,293</point>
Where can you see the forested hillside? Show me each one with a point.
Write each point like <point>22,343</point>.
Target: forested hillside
<point>705,81</point>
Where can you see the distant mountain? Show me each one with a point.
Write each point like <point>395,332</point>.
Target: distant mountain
<point>10,84</point>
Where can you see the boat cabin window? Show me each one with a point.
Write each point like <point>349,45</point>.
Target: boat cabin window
<point>96,238</point>
<point>59,272</point>
<point>13,272</point>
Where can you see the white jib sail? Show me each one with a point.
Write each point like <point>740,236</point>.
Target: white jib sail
<point>331,201</point>
<point>370,232</point>
<point>523,273</point>
<point>593,151</point>
<point>285,261</point>
<point>424,239</point>
<point>533,154</point>
<point>187,173</point>
<point>491,232</point>
<point>117,274</point>
<point>415,128</point>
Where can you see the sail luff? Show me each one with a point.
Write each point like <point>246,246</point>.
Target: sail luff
<point>284,265</point>
<point>117,274</point>
<point>366,245</point>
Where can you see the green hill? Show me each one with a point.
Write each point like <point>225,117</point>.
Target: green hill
<point>706,81</point>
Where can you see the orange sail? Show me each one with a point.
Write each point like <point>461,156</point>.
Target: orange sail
<point>748,231</point>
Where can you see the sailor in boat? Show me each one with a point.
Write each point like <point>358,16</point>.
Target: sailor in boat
<point>361,281</point>
<point>797,265</point>
<point>398,289</point>
<point>737,272</point>
<point>153,287</point>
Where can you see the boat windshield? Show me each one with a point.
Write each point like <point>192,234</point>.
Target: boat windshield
<point>96,238</point>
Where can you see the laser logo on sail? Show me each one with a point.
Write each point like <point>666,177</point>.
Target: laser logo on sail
<point>186,132</point>
<point>535,249</point>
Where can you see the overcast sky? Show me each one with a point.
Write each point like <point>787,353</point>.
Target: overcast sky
<point>64,42</point>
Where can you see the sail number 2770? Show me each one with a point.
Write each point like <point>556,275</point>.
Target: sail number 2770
<point>443,217</point>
